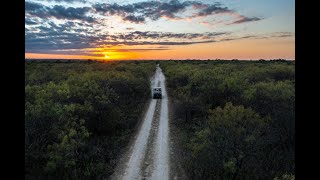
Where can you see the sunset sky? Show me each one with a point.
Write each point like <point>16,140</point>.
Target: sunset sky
<point>159,29</point>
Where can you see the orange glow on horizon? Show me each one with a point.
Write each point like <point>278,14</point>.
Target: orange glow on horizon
<point>112,53</point>
<point>239,49</point>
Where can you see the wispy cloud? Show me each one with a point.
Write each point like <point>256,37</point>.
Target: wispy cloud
<point>244,19</point>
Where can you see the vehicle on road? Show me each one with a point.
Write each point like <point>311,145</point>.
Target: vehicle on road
<point>156,93</point>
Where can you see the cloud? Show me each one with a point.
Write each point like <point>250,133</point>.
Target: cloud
<point>135,19</point>
<point>169,9</point>
<point>29,21</point>
<point>113,9</point>
<point>127,12</point>
<point>154,10</point>
<point>276,35</point>
<point>79,35</point>
<point>244,19</point>
<point>33,7</point>
<point>260,36</point>
<point>43,33</point>
<point>153,35</point>
<point>283,34</point>
<point>69,35</point>
<point>59,12</point>
<point>68,1</point>
<point>213,9</point>
<point>72,37</point>
<point>163,43</point>
<point>148,9</point>
<point>135,13</point>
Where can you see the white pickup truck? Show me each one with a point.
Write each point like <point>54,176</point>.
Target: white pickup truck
<point>156,93</point>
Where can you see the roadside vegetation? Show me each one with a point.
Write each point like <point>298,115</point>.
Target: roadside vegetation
<point>79,116</point>
<point>234,119</point>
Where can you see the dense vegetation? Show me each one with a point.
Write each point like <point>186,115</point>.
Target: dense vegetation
<point>80,115</point>
<point>234,119</point>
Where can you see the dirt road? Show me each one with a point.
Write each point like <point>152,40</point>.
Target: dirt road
<point>148,156</point>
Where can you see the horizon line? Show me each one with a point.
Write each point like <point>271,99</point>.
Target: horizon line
<point>217,59</point>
